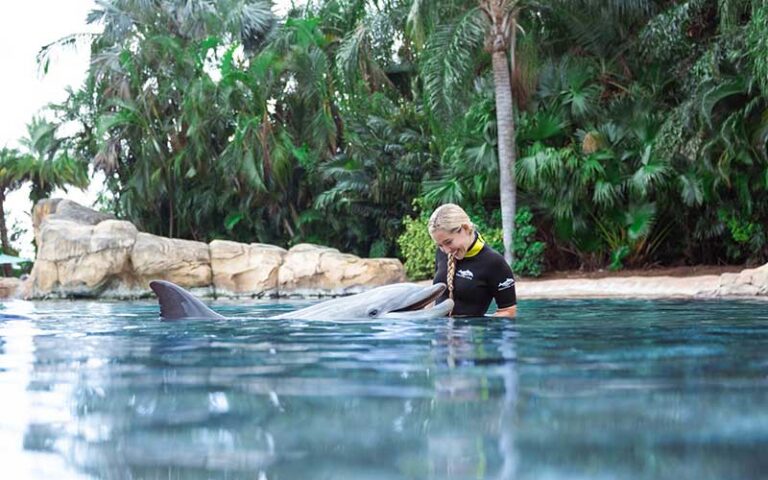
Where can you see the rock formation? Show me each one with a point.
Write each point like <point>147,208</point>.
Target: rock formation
<point>751,282</point>
<point>87,254</point>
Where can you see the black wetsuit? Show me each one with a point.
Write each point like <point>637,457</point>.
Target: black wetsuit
<point>478,280</point>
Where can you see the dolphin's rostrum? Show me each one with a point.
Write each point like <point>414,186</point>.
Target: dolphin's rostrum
<point>399,300</point>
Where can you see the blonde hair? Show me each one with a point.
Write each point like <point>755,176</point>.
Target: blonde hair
<point>449,218</point>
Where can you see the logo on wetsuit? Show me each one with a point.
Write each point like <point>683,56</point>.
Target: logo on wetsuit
<point>465,274</point>
<point>510,282</point>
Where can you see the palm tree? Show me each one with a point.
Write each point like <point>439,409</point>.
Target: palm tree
<point>451,58</point>
<point>45,163</point>
<point>153,117</point>
<point>9,160</point>
<point>500,43</point>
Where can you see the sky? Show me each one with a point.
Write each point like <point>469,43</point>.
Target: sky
<point>25,27</point>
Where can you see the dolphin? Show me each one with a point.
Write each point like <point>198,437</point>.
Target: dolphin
<point>399,300</point>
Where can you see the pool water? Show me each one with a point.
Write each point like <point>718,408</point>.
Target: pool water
<point>570,390</point>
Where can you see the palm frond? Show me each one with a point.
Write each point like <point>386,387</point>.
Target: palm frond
<point>443,190</point>
<point>449,59</point>
<point>605,194</point>
<point>417,22</point>
<point>640,220</point>
<point>256,24</point>
<point>647,176</point>
<point>691,189</point>
<point>718,93</point>
<point>356,61</point>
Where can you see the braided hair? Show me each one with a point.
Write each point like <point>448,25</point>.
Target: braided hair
<point>451,275</point>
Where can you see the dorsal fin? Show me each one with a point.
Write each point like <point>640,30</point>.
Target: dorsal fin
<point>177,303</point>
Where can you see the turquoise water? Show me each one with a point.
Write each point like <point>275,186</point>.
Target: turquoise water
<point>571,390</point>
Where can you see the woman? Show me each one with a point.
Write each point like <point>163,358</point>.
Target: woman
<point>474,272</point>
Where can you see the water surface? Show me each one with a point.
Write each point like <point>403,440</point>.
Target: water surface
<point>570,390</point>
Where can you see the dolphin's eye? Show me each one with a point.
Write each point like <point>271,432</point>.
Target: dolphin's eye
<point>373,312</point>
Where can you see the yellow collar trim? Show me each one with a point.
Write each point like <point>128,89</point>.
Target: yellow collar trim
<point>478,245</point>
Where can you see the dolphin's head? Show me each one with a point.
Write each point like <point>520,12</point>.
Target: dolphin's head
<point>399,300</point>
<point>408,300</point>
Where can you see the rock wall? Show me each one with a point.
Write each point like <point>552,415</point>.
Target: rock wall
<point>747,283</point>
<point>242,269</point>
<point>308,268</point>
<point>9,287</point>
<point>87,254</point>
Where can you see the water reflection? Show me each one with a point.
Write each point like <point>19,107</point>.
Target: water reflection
<point>569,390</point>
<point>30,423</point>
<point>484,346</point>
<point>127,396</point>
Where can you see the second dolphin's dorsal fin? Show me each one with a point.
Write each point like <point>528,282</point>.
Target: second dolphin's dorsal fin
<point>178,304</point>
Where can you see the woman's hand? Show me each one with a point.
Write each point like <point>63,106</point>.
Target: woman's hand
<point>509,312</point>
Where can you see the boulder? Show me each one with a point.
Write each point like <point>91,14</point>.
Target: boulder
<point>242,270</point>
<point>9,286</point>
<point>42,210</point>
<point>750,282</point>
<point>316,270</point>
<point>185,262</point>
<point>82,260</point>
<point>65,210</point>
<point>69,210</point>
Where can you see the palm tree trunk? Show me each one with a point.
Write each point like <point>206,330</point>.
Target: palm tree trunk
<point>499,46</point>
<point>4,234</point>
<point>506,127</point>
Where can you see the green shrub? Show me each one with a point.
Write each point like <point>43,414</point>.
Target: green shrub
<point>418,250</point>
<point>741,230</point>
<point>747,240</point>
<point>529,253</point>
<point>379,249</point>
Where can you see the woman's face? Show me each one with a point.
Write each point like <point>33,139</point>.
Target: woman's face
<point>454,243</point>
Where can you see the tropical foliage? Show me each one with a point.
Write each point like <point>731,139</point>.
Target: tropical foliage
<point>9,181</point>
<point>43,162</point>
<point>639,128</point>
